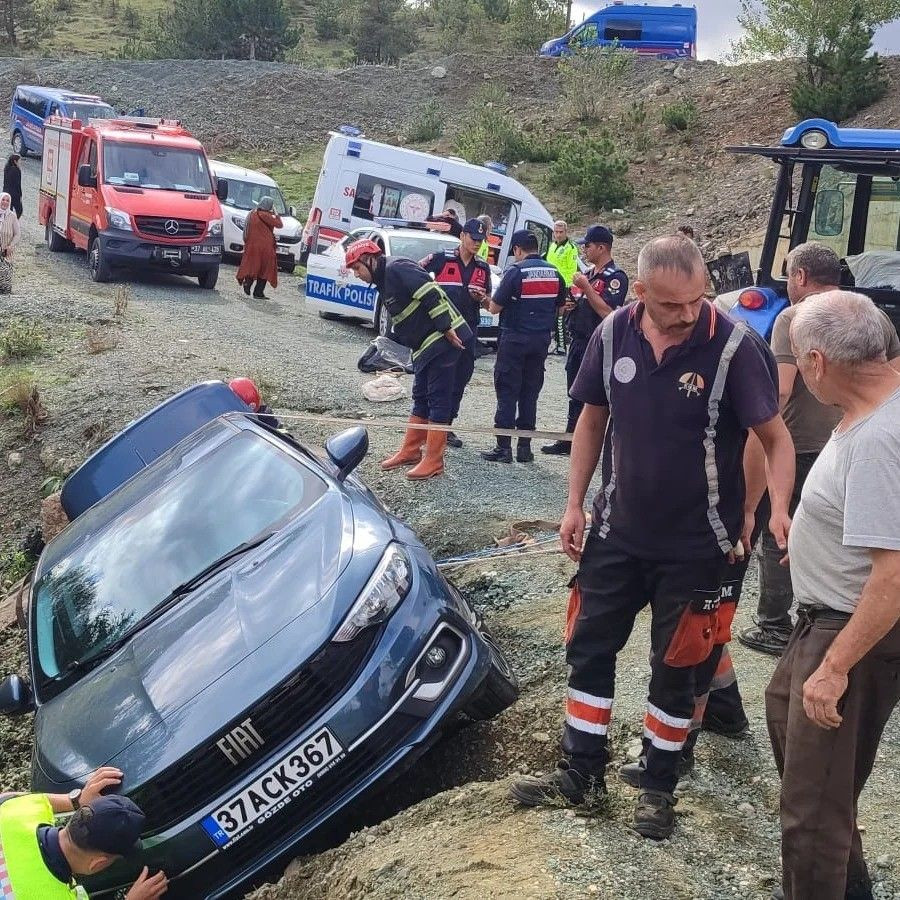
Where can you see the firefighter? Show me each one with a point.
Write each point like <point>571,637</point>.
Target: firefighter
<point>595,295</point>
<point>427,322</point>
<point>466,279</point>
<point>528,299</point>
<point>563,254</point>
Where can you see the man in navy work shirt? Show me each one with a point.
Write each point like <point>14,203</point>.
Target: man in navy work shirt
<point>527,299</point>
<point>679,385</point>
<point>466,280</point>
<point>595,295</point>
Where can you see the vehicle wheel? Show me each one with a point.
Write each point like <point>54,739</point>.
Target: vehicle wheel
<point>499,689</point>
<point>97,264</point>
<point>18,144</point>
<point>382,320</point>
<point>209,278</point>
<point>55,243</point>
<point>289,268</point>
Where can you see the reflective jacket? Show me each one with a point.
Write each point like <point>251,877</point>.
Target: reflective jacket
<point>455,278</point>
<point>565,258</point>
<point>21,863</point>
<point>530,292</point>
<point>420,310</point>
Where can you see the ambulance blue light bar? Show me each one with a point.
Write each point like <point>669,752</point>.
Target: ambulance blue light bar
<point>354,148</point>
<point>350,131</point>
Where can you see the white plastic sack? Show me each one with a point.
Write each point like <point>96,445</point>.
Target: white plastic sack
<point>876,269</point>
<point>385,387</point>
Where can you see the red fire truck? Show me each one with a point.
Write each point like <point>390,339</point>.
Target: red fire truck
<point>133,193</point>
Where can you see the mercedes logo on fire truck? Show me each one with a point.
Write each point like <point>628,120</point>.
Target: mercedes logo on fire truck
<point>171,226</point>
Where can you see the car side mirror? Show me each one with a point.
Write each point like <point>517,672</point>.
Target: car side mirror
<point>347,449</point>
<point>86,178</point>
<point>15,696</point>
<point>222,189</point>
<point>829,213</point>
<point>292,212</point>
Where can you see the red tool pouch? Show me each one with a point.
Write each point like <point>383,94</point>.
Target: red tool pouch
<point>696,633</point>
<point>574,608</point>
<point>723,625</point>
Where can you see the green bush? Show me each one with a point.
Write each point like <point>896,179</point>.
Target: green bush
<point>594,170</point>
<point>495,134</point>
<point>21,339</point>
<point>328,19</point>
<point>682,115</point>
<point>427,124</point>
<point>15,564</point>
<point>531,22</point>
<point>590,76</point>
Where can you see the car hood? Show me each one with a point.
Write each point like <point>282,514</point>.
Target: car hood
<point>271,594</point>
<point>171,204</point>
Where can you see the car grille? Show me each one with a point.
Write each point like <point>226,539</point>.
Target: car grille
<point>157,226</point>
<point>206,773</point>
<point>288,239</point>
<point>328,790</point>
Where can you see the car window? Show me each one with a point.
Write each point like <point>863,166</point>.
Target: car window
<point>149,166</point>
<point>247,194</point>
<point>86,111</point>
<point>414,247</point>
<point>245,487</point>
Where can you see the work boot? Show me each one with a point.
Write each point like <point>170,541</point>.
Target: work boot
<point>433,462</point>
<point>410,451</point>
<point>498,454</point>
<point>765,640</point>
<point>523,451</point>
<point>557,448</point>
<point>735,730</point>
<point>654,815</point>
<point>453,440</point>
<point>631,773</point>
<point>564,786</point>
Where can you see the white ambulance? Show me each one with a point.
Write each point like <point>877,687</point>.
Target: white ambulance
<point>363,180</point>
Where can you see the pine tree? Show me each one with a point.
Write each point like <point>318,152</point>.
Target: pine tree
<point>384,31</point>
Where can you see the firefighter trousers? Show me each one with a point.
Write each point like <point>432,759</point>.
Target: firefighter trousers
<point>609,591</point>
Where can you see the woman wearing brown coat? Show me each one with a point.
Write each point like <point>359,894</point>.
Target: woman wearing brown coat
<point>259,262</point>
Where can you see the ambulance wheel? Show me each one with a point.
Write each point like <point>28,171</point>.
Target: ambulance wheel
<point>18,144</point>
<point>97,264</point>
<point>209,278</point>
<point>382,320</point>
<point>55,243</point>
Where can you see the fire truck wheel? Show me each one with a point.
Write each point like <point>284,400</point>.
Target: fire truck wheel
<point>209,278</point>
<point>99,268</point>
<point>55,243</point>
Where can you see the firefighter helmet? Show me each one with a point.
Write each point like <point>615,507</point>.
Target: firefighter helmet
<point>359,249</point>
<point>246,389</point>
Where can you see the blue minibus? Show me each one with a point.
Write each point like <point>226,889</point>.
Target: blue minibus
<point>32,106</point>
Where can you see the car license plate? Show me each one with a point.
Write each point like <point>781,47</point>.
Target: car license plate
<point>272,791</point>
<point>284,248</point>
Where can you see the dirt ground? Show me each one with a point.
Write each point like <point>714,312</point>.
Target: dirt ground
<point>466,840</point>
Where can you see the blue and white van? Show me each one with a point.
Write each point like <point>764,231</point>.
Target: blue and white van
<point>665,32</point>
<point>32,106</point>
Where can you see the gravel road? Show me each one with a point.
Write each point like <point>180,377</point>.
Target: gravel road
<point>466,840</point>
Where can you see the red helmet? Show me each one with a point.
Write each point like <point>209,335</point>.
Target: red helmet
<point>246,389</point>
<point>358,249</point>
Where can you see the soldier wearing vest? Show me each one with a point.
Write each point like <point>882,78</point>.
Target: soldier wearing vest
<point>563,254</point>
<point>671,388</point>
<point>466,279</point>
<point>595,295</point>
<point>39,861</point>
<point>527,299</point>
<point>423,319</point>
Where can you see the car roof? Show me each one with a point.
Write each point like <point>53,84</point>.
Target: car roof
<point>226,169</point>
<point>61,94</point>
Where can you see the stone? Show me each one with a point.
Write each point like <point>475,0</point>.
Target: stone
<point>438,72</point>
<point>14,459</point>
<point>681,73</point>
<point>689,211</point>
<point>541,737</point>
<point>633,751</point>
<point>883,861</point>
<point>746,808</point>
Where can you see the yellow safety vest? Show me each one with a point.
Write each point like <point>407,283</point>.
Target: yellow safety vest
<point>565,258</point>
<point>22,867</point>
<point>484,250</point>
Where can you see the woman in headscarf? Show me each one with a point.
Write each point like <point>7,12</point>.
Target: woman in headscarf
<point>12,183</point>
<point>9,226</point>
<point>260,263</point>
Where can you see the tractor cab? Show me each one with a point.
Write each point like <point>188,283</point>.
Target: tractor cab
<point>838,186</point>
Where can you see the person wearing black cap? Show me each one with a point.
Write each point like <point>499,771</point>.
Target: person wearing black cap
<point>466,280</point>
<point>527,300</point>
<point>39,861</point>
<point>594,296</point>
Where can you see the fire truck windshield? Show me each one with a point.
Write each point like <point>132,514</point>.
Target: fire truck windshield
<point>150,166</point>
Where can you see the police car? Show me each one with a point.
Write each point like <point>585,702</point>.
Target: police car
<point>335,292</point>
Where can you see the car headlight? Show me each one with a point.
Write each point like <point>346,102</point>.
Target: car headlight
<point>239,221</point>
<point>215,227</point>
<point>388,585</point>
<point>118,219</point>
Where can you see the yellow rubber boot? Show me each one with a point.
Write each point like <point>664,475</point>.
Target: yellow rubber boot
<point>433,462</point>
<point>410,451</point>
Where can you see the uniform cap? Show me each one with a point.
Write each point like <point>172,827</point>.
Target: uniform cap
<point>110,824</point>
<point>523,238</point>
<point>597,234</point>
<point>474,228</point>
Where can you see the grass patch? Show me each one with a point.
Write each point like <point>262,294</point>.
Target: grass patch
<point>99,339</point>
<point>19,395</point>
<point>15,563</point>
<point>21,340</point>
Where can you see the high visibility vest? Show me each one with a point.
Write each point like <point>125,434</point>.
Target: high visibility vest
<point>23,873</point>
<point>565,258</point>
<point>484,250</point>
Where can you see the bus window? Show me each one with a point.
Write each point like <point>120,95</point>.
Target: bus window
<point>376,197</point>
<point>622,30</point>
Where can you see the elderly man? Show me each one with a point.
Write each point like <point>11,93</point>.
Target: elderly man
<point>679,387</point>
<point>836,684</point>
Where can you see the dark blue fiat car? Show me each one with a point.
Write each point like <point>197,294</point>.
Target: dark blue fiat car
<point>244,630</point>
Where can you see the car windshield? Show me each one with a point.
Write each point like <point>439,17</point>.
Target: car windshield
<point>247,194</point>
<point>148,166</point>
<point>85,111</point>
<point>106,585</point>
<point>414,247</point>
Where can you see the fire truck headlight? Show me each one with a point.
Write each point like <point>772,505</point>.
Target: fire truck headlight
<point>215,228</point>
<point>118,219</point>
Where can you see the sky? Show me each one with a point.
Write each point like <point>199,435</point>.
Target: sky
<point>717,26</point>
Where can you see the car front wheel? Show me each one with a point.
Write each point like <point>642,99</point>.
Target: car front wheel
<point>499,690</point>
